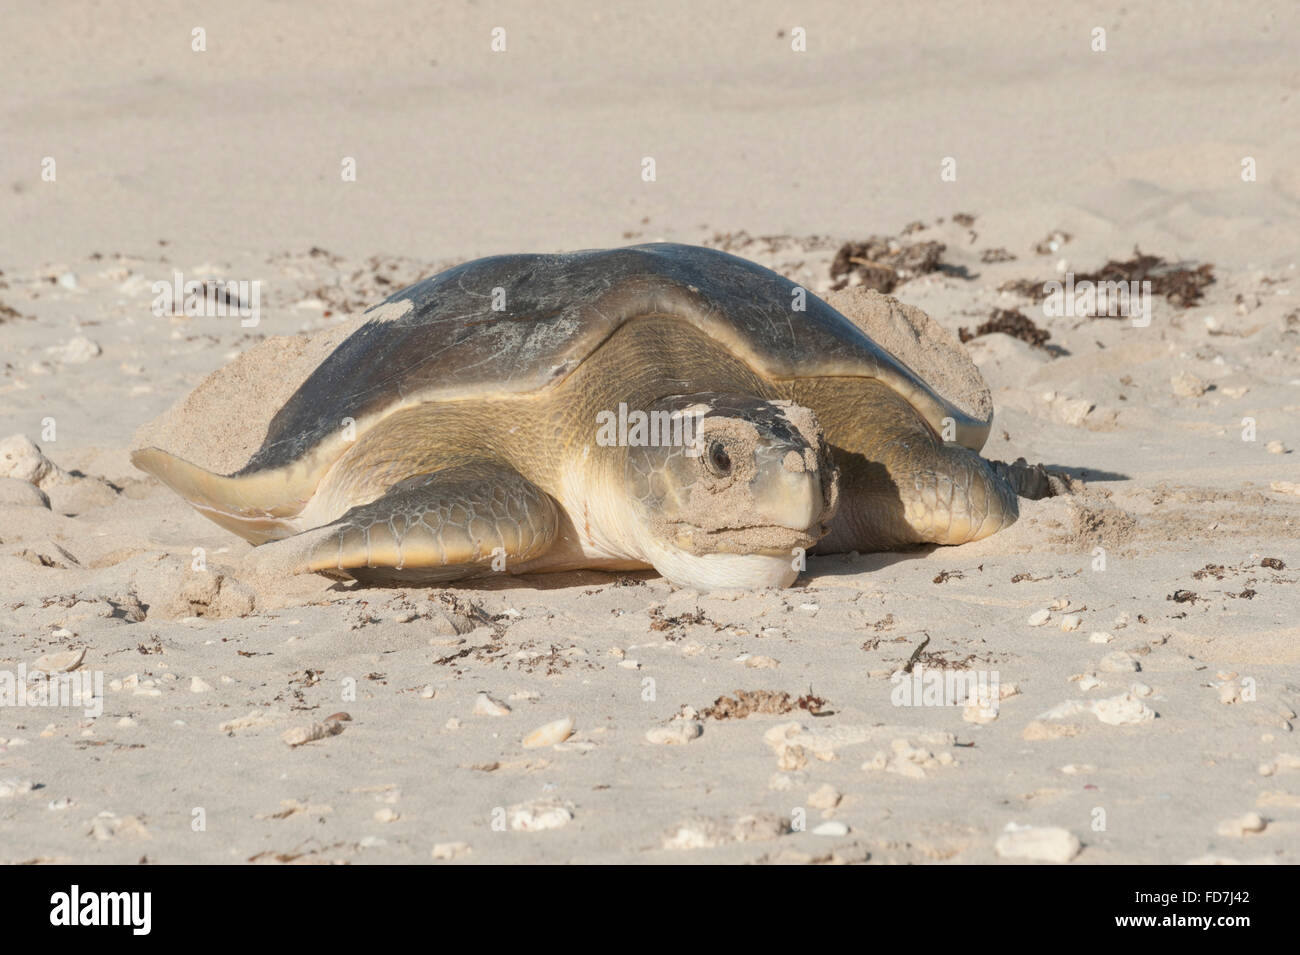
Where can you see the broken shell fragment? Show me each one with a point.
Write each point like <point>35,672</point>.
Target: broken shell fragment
<point>676,733</point>
<point>485,705</point>
<point>62,662</point>
<point>1038,843</point>
<point>309,734</point>
<point>556,731</point>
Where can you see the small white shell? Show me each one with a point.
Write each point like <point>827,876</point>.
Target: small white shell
<point>676,733</point>
<point>832,828</point>
<point>451,850</point>
<point>1040,844</point>
<point>536,816</point>
<point>556,731</point>
<point>484,705</point>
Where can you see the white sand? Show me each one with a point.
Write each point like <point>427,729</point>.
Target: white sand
<point>232,157</point>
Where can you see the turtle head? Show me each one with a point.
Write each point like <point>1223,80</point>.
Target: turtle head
<point>741,489</point>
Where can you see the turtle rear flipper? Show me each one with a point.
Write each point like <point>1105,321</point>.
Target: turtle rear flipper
<point>462,521</point>
<point>258,506</point>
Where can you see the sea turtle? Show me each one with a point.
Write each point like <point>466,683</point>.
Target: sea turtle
<point>661,405</point>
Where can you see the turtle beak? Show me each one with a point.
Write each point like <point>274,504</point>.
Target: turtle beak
<point>788,489</point>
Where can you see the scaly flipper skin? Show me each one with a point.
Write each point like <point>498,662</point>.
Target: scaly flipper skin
<point>954,497</point>
<point>441,526</point>
<point>900,483</point>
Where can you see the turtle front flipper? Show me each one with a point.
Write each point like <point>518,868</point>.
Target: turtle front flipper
<point>459,522</point>
<point>901,484</point>
<point>953,496</point>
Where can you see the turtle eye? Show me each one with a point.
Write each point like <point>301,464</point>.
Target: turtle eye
<point>718,460</point>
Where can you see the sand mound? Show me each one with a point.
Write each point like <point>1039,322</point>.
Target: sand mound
<point>237,401</point>
<point>912,336</point>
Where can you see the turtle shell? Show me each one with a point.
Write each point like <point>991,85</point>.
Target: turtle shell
<point>514,324</point>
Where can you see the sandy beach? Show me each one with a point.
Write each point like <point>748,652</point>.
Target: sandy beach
<point>1138,623</point>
